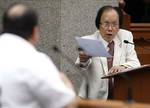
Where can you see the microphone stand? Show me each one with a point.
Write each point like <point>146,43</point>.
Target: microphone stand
<point>69,60</point>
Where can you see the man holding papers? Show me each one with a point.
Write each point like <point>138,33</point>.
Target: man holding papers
<point>122,56</point>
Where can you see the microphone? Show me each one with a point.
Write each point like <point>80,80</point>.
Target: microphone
<point>127,42</point>
<point>69,60</point>
<point>80,49</point>
<point>57,50</point>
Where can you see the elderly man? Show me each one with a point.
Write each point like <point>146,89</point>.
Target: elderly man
<point>124,55</point>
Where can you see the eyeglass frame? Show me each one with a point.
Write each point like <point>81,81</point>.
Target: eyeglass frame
<point>106,25</point>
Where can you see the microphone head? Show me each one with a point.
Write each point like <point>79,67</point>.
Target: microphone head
<point>126,41</point>
<point>55,48</point>
<point>80,49</point>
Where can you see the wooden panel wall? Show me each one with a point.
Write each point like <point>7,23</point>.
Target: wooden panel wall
<point>141,33</point>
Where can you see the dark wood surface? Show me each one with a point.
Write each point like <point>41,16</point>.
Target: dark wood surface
<point>127,71</point>
<point>132,84</point>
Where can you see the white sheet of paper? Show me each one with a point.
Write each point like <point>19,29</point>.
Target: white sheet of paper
<point>93,48</point>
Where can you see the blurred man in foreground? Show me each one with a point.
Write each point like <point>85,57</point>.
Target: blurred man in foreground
<point>28,78</point>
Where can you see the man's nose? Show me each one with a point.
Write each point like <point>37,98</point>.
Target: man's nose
<point>110,27</point>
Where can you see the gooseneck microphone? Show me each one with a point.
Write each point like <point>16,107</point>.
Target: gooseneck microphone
<point>127,42</point>
<point>70,61</point>
<point>57,50</point>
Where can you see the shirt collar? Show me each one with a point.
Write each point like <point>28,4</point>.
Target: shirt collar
<point>15,39</point>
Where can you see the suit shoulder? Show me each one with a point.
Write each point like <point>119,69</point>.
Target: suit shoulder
<point>121,31</point>
<point>124,34</point>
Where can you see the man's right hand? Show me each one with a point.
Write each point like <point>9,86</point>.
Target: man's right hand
<point>83,57</point>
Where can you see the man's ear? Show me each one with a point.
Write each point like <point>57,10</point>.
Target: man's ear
<point>35,36</point>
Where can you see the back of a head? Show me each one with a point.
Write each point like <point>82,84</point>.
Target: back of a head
<point>20,20</point>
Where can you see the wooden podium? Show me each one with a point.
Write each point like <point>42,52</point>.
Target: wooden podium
<point>132,84</point>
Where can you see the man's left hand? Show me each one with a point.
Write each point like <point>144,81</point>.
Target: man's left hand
<point>116,69</point>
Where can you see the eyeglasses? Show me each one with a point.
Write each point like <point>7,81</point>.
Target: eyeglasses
<point>106,25</point>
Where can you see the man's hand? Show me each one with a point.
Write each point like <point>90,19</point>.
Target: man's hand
<point>83,57</point>
<point>66,81</point>
<point>116,69</point>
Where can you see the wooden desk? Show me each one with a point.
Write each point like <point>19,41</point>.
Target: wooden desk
<point>132,84</point>
<point>109,104</point>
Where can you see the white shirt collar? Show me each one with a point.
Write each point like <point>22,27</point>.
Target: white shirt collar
<point>12,38</point>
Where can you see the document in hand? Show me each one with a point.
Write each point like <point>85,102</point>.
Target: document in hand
<point>92,47</point>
